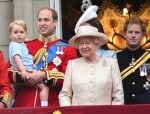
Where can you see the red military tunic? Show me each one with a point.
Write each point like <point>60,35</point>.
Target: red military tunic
<point>5,89</point>
<point>29,96</point>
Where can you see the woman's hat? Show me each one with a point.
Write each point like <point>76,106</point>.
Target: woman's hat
<point>87,30</point>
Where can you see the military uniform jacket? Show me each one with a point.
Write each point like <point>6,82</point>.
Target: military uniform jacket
<point>136,87</point>
<point>5,89</point>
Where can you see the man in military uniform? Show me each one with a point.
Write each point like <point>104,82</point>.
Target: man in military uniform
<point>51,56</point>
<point>5,89</point>
<point>132,62</point>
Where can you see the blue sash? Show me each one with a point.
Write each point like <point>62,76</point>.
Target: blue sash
<point>51,53</point>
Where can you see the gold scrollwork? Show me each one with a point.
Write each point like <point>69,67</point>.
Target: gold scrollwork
<point>57,112</point>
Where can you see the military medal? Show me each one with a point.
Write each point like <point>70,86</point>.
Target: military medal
<point>59,50</point>
<point>141,73</point>
<point>57,61</point>
<point>146,85</point>
<point>142,70</point>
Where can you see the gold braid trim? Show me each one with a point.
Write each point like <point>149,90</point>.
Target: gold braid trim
<point>47,39</point>
<point>42,53</point>
<point>14,72</point>
<point>38,55</point>
<point>126,72</point>
<point>6,98</point>
<point>54,75</point>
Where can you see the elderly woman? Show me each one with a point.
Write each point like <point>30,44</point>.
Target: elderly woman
<point>91,79</point>
<point>89,17</point>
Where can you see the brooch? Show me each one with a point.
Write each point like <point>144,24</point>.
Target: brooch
<point>104,64</point>
<point>57,61</point>
<point>146,85</point>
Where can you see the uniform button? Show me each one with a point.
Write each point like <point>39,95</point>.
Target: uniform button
<point>133,95</point>
<point>45,81</point>
<point>133,83</point>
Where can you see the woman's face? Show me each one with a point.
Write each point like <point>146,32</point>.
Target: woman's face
<point>87,47</point>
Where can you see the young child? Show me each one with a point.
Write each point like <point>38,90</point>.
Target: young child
<point>21,59</point>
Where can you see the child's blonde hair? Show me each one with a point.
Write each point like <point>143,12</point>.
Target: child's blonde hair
<point>18,22</point>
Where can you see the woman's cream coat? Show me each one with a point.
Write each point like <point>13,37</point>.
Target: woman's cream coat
<point>92,84</point>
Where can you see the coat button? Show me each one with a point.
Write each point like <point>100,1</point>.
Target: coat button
<point>133,83</point>
<point>133,95</point>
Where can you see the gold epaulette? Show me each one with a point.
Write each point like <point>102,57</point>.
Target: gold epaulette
<point>6,98</point>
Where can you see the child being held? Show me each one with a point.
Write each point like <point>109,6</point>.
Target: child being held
<point>21,59</point>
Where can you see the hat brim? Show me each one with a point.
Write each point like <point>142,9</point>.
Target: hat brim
<point>102,38</point>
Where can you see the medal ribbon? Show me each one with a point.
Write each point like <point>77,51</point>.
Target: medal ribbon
<point>51,54</point>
